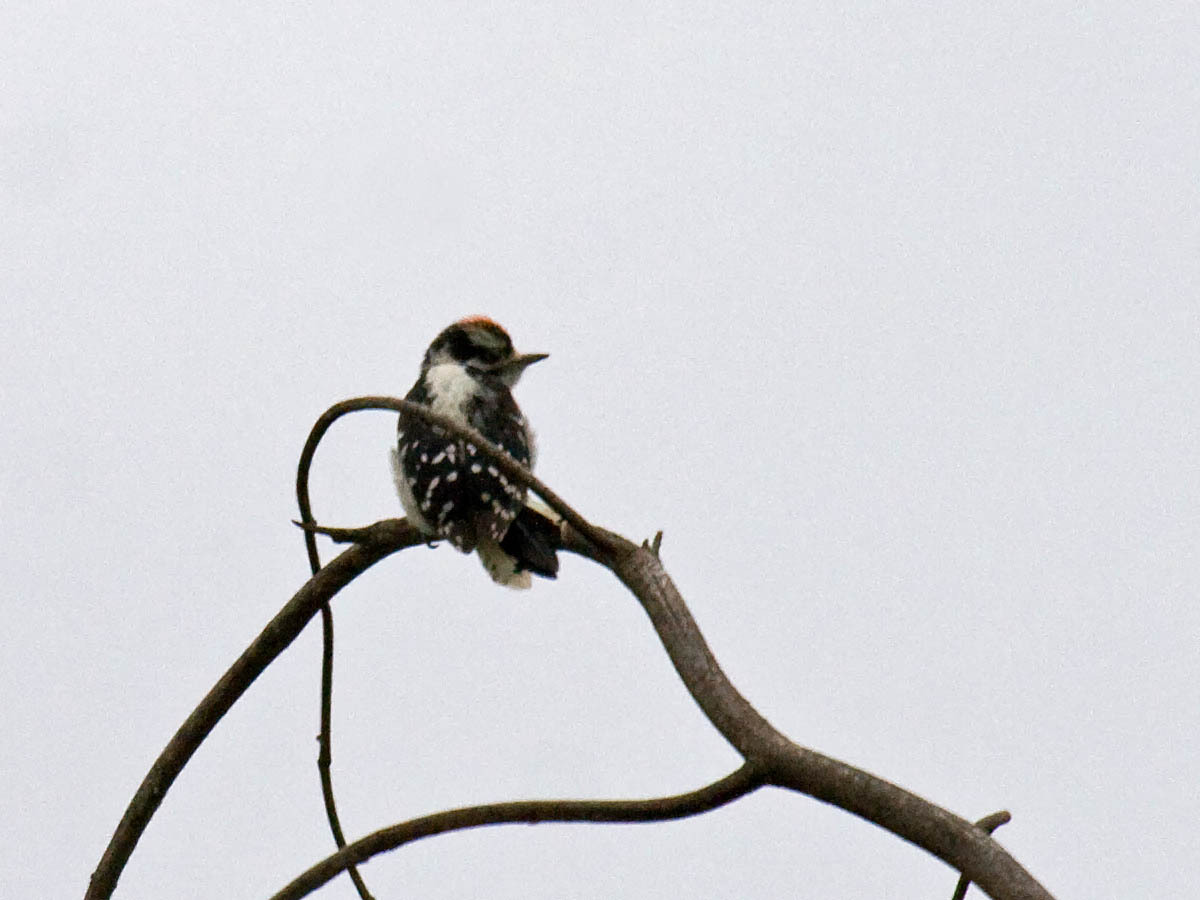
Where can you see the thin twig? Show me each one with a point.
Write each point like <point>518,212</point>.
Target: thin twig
<point>731,787</point>
<point>325,736</point>
<point>987,824</point>
<point>325,748</point>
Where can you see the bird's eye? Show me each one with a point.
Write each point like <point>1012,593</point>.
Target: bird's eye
<point>461,347</point>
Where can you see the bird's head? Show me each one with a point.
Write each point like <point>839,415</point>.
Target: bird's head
<point>480,345</point>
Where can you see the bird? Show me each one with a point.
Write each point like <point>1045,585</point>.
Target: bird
<point>449,488</point>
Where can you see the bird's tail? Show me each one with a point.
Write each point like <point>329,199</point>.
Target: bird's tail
<point>530,545</point>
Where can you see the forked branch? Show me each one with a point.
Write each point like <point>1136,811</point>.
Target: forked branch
<point>770,758</point>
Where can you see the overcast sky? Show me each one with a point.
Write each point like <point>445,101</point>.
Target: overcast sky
<point>887,314</point>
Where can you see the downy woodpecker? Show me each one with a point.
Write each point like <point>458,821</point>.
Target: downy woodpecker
<point>450,488</point>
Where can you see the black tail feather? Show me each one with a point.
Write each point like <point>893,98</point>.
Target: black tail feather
<point>532,539</point>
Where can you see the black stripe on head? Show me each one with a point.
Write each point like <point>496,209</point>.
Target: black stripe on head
<point>477,339</point>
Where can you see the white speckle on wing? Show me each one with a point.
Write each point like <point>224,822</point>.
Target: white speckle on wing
<point>452,476</point>
<point>404,488</point>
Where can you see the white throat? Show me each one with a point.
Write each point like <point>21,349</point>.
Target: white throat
<point>450,387</point>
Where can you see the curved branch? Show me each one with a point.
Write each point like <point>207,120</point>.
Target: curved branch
<point>387,537</point>
<point>737,784</point>
<point>325,735</point>
<point>947,836</point>
<point>770,757</point>
<point>509,466</point>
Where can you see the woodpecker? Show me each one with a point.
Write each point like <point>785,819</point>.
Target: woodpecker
<point>450,488</point>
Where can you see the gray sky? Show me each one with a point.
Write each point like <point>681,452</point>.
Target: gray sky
<point>886,315</point>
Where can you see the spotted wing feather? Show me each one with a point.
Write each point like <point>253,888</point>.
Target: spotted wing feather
<point>456,488</point>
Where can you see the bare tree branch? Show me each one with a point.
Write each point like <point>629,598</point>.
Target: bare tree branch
<point>770,757</point>
<point>947,836</point>
<point>387,537</point>
<point>729,788</point>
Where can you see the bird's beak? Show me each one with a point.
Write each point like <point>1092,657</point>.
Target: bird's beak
<point>521,361</point>
<point>510,370</point>
<point>528,359</point>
